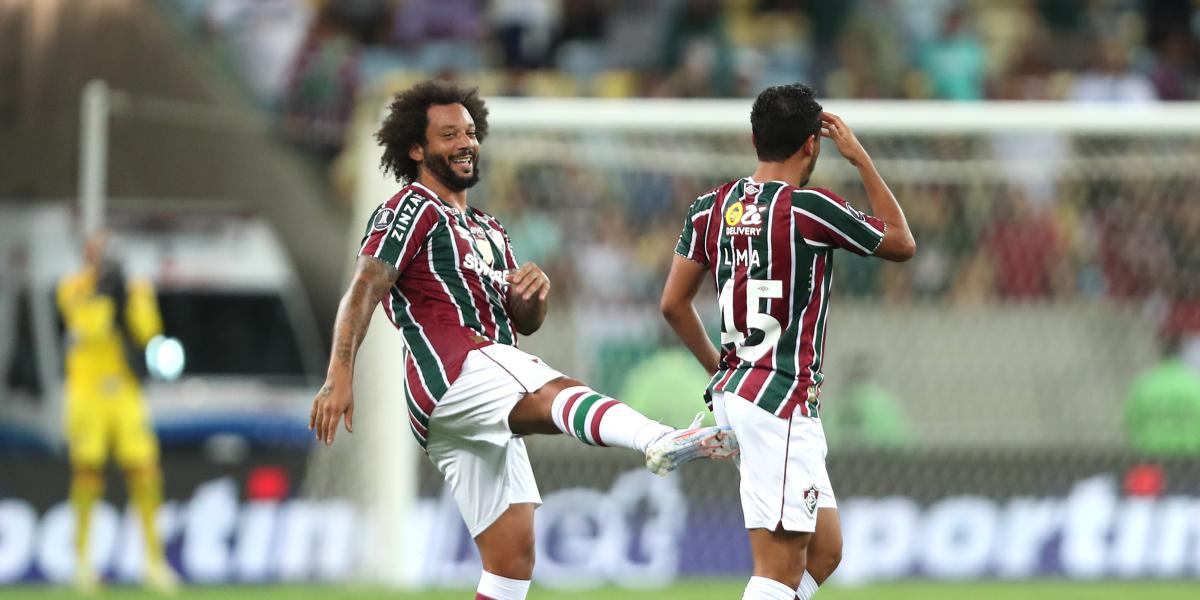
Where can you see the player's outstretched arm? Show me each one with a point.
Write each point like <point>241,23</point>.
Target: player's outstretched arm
<point>683,281</point>
<point>527,292</point>
<point>372,279</point>
<point>898,243</point>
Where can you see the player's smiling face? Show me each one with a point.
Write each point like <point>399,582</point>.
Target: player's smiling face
<point>451,152</point>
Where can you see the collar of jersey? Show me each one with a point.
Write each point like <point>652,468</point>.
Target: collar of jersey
<point>425,191</point>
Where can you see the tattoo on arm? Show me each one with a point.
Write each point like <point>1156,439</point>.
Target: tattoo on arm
<point>372,279</point>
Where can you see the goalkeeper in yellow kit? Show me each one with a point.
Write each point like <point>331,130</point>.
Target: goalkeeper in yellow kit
<point>108,321</point>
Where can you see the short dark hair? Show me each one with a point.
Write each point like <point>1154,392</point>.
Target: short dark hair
<point>782,119</point>
<point>409,117</point>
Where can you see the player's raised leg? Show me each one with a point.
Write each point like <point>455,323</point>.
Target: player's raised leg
<point>569,406</point>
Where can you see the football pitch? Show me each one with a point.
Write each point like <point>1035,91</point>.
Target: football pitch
<point>700,590</point>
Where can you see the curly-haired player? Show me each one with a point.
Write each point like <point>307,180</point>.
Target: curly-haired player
<point>447,277</point>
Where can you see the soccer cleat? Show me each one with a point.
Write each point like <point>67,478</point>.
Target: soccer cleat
<point>160,577</point>
<point>685,445</point>
<point>87,581</point>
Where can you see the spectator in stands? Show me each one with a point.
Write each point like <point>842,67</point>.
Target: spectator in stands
<point>1028,77</point>
<point>872,59</point>
<point>1133,250</point>
<point>522,30</point>
<point>634,33</point>
<point>262,38</point>
<point>1023,246</point>
<point>441,35</point>
<point>1162,416</point>
<point>1067,24</point>
<point>1110,79</point>
<point>322,89</point>
<point>782,43</point>
<point>577,46</point>
<point>954,60</point>
<point>696,54</point>
<point>1172,37</point>
<point>1183,277</point>
<point>602,262</point>
<point>937,220</point>
<point>1175,70</point>
<point>827,22</point>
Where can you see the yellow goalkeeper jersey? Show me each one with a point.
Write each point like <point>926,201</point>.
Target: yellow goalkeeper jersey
<point>95,349</point>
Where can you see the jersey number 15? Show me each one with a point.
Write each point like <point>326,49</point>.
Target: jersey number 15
<point>756,290</point>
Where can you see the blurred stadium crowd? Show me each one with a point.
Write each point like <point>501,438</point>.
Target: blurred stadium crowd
<point>311,56</point>
<point>310,59</point>
<point>1002,220</point>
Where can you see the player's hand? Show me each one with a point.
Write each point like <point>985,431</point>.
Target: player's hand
<point>333,400</point>
<point>528,282</point>
<point>834,128</point>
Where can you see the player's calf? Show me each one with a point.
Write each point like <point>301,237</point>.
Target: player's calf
<point>568,406</point>
<point>780,556</point>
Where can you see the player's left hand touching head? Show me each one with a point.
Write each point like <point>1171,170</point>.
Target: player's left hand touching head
<point>834,128</point>
<point>528,282</point>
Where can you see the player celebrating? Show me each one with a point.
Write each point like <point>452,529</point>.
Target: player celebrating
<point>104,317</point>
<point>448,280</point>
<point>768,243</point>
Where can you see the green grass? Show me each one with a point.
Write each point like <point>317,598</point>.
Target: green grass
<point>723,590</point>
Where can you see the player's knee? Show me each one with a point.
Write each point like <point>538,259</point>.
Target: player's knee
<point>533,413</point>
<point>515,563</point>
<point>141,469</point>
<point>782,567</point>
<point>554,386</point>
<point>523,563</point>
<point>86,474</point>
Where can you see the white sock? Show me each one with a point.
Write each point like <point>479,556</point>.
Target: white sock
<point>761,588</point>
<point>808,587</point>
<point>501,588</point>
<point>597,420</point>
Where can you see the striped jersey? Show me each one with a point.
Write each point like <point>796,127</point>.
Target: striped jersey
<point>451,294</point>
<point>770,248</point>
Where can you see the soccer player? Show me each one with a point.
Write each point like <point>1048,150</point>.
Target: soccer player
<point>448,280</point>
<point>768,244</point>
<point>108,321</point>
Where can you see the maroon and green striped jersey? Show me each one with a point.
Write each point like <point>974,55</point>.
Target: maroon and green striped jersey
<point>770,248</point>
<point>451,294</point>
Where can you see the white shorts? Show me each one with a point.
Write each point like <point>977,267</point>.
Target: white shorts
<point>782,463</point>
<point>470,442</point>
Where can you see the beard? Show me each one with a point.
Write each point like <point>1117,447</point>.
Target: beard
<point>441,169</point>
<point>812,166</point>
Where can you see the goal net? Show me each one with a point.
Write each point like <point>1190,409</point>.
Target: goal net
<point>994,381</point>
